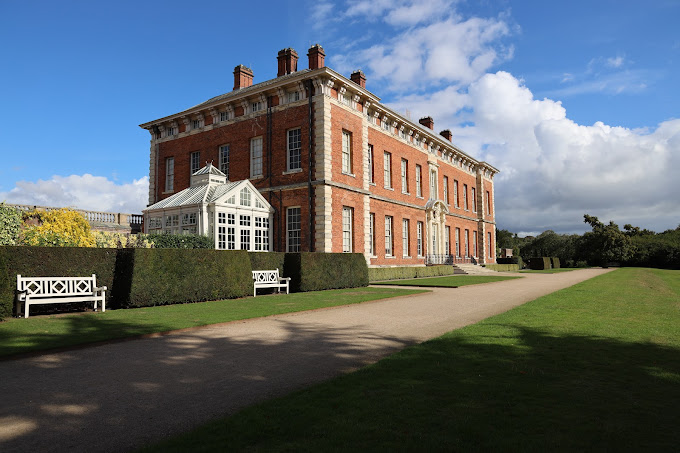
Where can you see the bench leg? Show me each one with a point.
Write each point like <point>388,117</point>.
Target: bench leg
<point>26,305</point>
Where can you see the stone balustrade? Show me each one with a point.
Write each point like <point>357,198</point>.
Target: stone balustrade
<point>99,220</point>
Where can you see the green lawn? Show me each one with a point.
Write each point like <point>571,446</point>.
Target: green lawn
<point>47,332</point>
<point>550,271</point>
<point>594,367</point>
<point>449,281</point>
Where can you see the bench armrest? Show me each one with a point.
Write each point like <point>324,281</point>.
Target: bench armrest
<point>100,288</point>
<point>21,294</point>
<point>284,278</point>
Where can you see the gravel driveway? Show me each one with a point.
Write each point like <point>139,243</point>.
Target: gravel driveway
<point>119,396</point>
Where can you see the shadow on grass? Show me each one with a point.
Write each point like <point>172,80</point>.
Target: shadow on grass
<point>67,331</point>
<point>507,388</point>
<point>118,397</point>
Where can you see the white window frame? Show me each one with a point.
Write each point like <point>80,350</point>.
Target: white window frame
<point>293,229</point>
<point>433,185</point>
<point>465,197</point>
<point>419,234</point>
<point>404,176</point>
<point>447,239</point>
<point>389,242</point>
<point>256,161</point>
<point>419,181</point>
<point>294,137</point>
<point>293,96</point>
<point>347,216</point>
<point>387,169</point>
<point>457,239</point>
<point>169,174</point>
<point>456,202</point>
<point>224,116</point>
<point>473,196</point>
<point>405,238</point>
<point>446,189</point>
<point>194,162</point>
<point>224,159</point>
<point>371,232</point>
<point>346,152</point>
<point>371,167</point>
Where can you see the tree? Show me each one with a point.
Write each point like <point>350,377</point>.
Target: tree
<point>605,243</point>
<point>59,228</point>
<point>10,224</point>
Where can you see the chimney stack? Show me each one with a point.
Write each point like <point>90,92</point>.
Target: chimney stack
<point>359,78</point>
<point>288,59</point>
<point>316,57</point>
<point>427,122</point>
<point>243,77</point>
<point>446,133</point>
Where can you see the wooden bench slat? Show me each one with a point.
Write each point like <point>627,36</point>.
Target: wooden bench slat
<point>55,290</point>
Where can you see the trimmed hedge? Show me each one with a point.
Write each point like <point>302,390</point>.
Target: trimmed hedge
<point>180,241</point>
<point>149,277</point>
<point>5,288</point>
<point>311,271</point>
<point>539,263</point>
<point>502,267</point>
<point>555,262</point>
<point>55,262</point>
<point>512,260</point>
<point>260,261</point>
<point>376,274</point>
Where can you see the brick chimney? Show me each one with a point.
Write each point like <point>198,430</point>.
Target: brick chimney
<point>446,133</point>
<point>316,57</point>
<point>288,59</point>
<point>359,78</point>
<point>427,122</point>
<point>243,77</point>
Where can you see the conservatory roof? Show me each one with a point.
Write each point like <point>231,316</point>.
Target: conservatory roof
<point>205,193</point>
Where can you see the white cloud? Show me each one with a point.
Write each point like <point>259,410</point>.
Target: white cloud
<point>449,50</point>
<point>95,193</point>
<point>615,62</point>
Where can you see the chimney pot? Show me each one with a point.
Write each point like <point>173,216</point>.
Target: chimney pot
<point>427,122</point>
<point>446,133</point>
<point>359,78</point>
<point>243,77</point>
<point>316,57</point>
<point>287,59</point>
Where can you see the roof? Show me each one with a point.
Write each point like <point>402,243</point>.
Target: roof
<point>209,169</point>
<point>204,193</point>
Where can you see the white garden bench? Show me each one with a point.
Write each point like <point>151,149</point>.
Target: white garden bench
<point>269,279</point>
<point>59,290</point>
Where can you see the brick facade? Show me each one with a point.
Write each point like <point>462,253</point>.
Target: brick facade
<point>338,122</point>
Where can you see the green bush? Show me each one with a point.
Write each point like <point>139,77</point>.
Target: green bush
<point>268,261</point>
<point>55,262</point>
<point>180,241</point>
<point>555,262</point>
<point>539,263</point>
<point>149,277</point>
<point>10,224</point>
<point>376,274</point>
<point>319,271</point>
<point>5,288</point>
<point>503,267</point>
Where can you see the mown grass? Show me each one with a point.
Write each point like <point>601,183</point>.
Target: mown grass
<point>550,271</point>
<point>48,332</point>
<point>594,367</point>
<point>449,281</point>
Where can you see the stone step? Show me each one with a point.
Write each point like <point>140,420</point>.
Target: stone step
<point>474,269</point>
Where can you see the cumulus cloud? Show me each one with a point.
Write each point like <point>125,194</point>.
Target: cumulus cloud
<point>95,193</point>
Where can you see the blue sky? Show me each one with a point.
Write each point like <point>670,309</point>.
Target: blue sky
<point>575,102</point>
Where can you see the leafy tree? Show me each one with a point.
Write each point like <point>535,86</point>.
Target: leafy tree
<point>10,224</point>
<point>605,243</point>
<point>58,228</point>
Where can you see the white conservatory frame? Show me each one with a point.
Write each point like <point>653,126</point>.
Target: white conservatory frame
<point>234,214</point>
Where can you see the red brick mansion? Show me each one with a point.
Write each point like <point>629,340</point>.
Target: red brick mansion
<point>332,170</point>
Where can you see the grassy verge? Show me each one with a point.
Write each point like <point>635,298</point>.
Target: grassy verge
<point>550,271</point>
<point>451,281</point>
<point>594,367</point>
<point>48,332</point>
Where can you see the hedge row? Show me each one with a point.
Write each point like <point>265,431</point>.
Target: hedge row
<point>512,260</point>
<point>540,263</point>
<point>503,267</point>
<point>145,277</point>
<point>53,261</point>
<point>376,274</point>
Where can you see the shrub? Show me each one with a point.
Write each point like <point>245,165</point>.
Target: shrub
<point>318,271</point>
<point>10,224</point>
<point>6,304</point>
<point>539,263</point>
<point>181,241</point>
<point>108,239</point>
<point>58,228</point>
<point>149,277</point>
<point>502,267</point>
<point>396,273</point>
<point>267,261</point>
<point>555,262</point>
<point>55,262</point>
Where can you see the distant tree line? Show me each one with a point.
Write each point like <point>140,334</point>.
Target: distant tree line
<point>603,245</point>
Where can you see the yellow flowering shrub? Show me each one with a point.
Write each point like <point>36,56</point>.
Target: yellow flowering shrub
<point>58,228</point>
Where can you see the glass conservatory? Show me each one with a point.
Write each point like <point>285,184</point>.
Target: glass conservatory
<point>234,214</point>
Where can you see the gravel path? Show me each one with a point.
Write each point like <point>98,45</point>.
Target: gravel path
<point>119,396</point>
